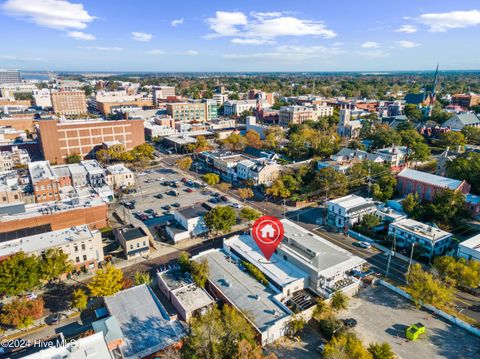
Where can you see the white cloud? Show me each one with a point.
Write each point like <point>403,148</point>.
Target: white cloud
<point>177,22</point>
<point>440,22</point>
<point>55,14</point>
<point>407,44</point>
<point>141,36</point>
<point>78,35</point>
<point>190,52</point>
<point>156,52</point>
<point>224,23</point>
<point>101,48</point>
<point>240,41</point>
<point>408,29</point>
<point>336,44</point>
<point>8,57</point>
<point>263,27</point>
<point>370,45</point>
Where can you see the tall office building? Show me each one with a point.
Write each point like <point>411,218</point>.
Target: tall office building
<point>69,102</point>
<point>10,76</point>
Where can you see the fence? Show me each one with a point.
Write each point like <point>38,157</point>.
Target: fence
<point>435,310</point>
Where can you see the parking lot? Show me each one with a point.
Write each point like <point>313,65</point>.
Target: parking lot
<point>155,199</point>
<point>383,316</point>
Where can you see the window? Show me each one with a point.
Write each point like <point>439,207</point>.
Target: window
<point>131,246</point>
<point>77,259</point>
<point>144,243</point>
<point>285,257</point>
<point>84,257</point>
<point>83,246</point>
<point>138,245</point>
<point>75,248</point>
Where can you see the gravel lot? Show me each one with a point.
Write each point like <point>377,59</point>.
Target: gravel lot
<point>383,315</point>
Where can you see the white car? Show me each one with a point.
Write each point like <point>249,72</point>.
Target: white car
<point>31,296</point>
<point>236,205</point>
<point>161,179</point>
<point>365,245</point>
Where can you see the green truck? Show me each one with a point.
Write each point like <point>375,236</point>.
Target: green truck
<point>414,331</point>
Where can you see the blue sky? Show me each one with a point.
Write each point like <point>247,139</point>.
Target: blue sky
<point>189,35</point>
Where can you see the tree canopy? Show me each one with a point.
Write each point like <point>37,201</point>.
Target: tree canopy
<point>220,219</point>
<point>107,281</point>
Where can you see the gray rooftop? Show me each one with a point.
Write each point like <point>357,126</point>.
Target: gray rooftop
<point>428,178</point>
<point>143,321</point>
<point>197,210</point>
<point>252,298</point>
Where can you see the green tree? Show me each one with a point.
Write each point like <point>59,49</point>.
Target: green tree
<point>369,221</point>
<point>384,188</point>
<point>339,301</point>
<point>346,346</point>
<point>295,325</point>
<point>419,152</point>
<point>102,156</point>
<point>411,203</point>
<point>413,112</point>
<point>331,181</point>
<point>200,272</point>
<point>381,351</point>
<point>73,158</point>
<point>458,271</point>
<point>249,214</point>
<point>54,263</point>
<point>202,144</point>
<point>274,135</point>
<point>107,281</point>
<point>184,262</point>
<point>245,193</point>
<point>425,289</point>
<point>143,152</point>
<point>472,134</point>
<point>255,273</point>
<point>221,219</point>
<point>211,178</point>
<point>142,278</point>
<point>184,163</point>
<point>330,326</point>
<point>279,189</point>
<point>452,139</point>
<point>466,167</point>
<point>19,273</point>
<point>79,299</point>
<point>385,136</point>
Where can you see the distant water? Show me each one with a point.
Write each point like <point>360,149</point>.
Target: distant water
<point>35,76</point>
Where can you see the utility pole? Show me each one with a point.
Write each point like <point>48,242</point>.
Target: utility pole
<point>410,261</point>
<point>369,180</point>
<point>390,255</point>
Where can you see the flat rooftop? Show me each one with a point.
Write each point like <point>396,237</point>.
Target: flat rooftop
<point>276,269</point>
<point>143,321</point>
<point>119,169</point>
<point>472,243</point>
<point>428,178</point>
<point>40,170</point>
<point>350,201</point>
<point>421,229</point>
<point>247,294</point>
<point>40,242</point>
<point>130,233</point>
<point>322,255</point>
<point>92,166</point>
<point>190,296</point>
<point>196,210</point>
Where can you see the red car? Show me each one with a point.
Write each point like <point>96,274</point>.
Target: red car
<point>184,180</point>
<point>189,190</point>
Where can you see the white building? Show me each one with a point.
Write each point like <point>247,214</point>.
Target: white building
<point>344,212</point>
<point>258,303</point>
<point>323,110</point>
<point>236,107</point>
<point>42,98</point>
<point>82,245</point>
<point>220,98</point>
<point>92,346</point>
<point>431,240</point>
<point>327,265</point>
<point>188,222</point>
<point>9,160</point>
<point>470,249</point>
<point>119,176</point>
<point>187,298</point>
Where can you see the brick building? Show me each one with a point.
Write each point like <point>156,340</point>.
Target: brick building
<point>69,102</point>
<point>46,186</point>
<point>465,101</point>
<point>61,139</point>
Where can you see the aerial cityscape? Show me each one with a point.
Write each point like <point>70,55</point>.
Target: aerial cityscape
<point>241,180</point>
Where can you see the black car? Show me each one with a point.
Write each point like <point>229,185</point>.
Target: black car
<point>214,200</point>
<point>158,195</point>
<point>165,183</point>
<point>223,199</point>
<point>349,322</point>
<point>166,207</point>
<point>176,204</point>
<point>54,319</point>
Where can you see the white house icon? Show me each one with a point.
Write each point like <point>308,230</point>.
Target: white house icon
<point>268,231</point>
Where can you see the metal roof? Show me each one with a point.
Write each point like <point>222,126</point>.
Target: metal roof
<point>428,178</point>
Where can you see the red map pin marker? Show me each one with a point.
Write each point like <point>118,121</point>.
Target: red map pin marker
<point>268,233</point>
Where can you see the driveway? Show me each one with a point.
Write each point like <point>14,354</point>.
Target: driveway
<point>383,316</point>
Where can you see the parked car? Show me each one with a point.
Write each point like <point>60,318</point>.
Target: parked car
<point>149,211</point>
<point>55,319</point>
<point>214,200</point>
<point>223,198</point>
<point>166,183</point>
<point>176,204</point>
<point>365,245</point>
<point>143,217</point>
<point>189,190</point>
<point>31,296</point>
<point>161,179</point>
<point>172,193</point>
<point>184,180</point>
<point>236,205</point>
<point>166,207</point>
<point>158,195</point>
